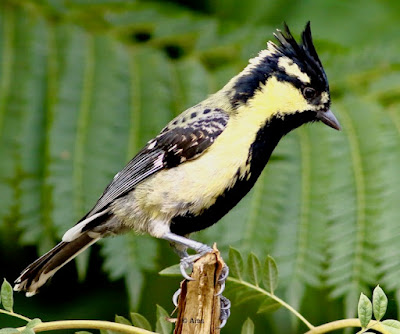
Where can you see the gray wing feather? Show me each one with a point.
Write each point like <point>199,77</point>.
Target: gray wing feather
<point>139,168</point>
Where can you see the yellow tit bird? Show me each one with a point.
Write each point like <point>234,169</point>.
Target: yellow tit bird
<point>205,160</point>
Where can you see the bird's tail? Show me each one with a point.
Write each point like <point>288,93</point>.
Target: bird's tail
<point>38,272</point>
<point>84,234</point>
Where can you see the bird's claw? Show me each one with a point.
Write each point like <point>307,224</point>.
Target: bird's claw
<point>225,310</point>
<point>187,262</point>
<point>221,289</point>
<point>176,296</point>
<point>183,266</point>
<point>224,273</point>
<point>225,303</point>
<point>222,278</point>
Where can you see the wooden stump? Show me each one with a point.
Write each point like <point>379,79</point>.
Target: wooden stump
<point>199,307</point>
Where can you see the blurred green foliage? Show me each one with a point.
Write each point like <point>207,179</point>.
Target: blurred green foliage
<point>85,83</point>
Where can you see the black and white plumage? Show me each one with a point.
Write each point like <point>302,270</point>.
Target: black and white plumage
<point>206,159</point>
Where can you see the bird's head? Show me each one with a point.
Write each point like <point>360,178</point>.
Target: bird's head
<point>286,81</point>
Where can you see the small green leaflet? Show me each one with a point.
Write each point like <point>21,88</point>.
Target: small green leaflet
<point>27,330</point>
<point>235,263</point>
<point>248,327</point>
<point>33,323</point>
<point>121,320</point>
<point>171,271</point>
<point>7,296</point>
<point>268,306</point>
<point>140,321</point>
<point>270,274</point>
<point>379,302</point>
<point>9,331</point>
<point>364,310</point>
<point>253,269</point>
<point>392,326</point>
<point>163,326</point>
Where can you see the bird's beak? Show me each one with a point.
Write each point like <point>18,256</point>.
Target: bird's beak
<point>327,117</point>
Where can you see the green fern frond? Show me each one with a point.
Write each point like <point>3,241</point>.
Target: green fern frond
<point>128,257</point>
<point>355,199</point>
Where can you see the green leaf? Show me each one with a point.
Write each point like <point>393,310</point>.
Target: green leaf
<point>9,331</point>
<point>254,269</point>
<point>171,271</point>
<point>268,306</point>
<point>27,330</point>
<point>104,331</point>
<point>163,326</point>
<point>379,303</point>
<point>270,274</point>
<point>83,332</point>
<point>139,320</point>
<point>121,320</point>
<point>392,326</point>
<point>364,310</point>
<point>7,296</point>
<point>248,327</point>
<point>34,322</point>
<point>235,263</point>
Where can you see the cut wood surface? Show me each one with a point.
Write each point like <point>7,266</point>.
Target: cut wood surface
<point>199,307</point>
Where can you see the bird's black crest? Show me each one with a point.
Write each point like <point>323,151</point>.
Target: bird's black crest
<point>304,51</point>
<point>303,54</point>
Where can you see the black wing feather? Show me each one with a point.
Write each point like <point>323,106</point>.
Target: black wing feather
<point>169,149</point>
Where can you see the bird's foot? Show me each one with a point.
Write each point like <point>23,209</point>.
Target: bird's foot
<point>225,307</point>
<point>225,304</point>
<point>187,261</point>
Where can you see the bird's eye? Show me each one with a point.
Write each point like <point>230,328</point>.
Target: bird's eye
<point>309,92</point>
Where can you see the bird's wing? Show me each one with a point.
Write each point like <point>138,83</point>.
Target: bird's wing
<point>184,138</point>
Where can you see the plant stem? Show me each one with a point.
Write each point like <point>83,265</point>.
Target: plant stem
<point>345,323</point>
<point>277,299</point>
<point>88,324</point>
<point>12,314</point>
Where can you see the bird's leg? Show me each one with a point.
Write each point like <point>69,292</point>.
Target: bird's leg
<point>187,243</point>
<point>180,245</point>
<point>179,249</point>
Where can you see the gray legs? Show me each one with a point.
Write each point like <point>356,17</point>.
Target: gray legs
<point>180,243</point>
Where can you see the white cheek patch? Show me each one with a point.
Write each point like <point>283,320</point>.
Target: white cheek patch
<point>293,69</point>
<point>324,97</point>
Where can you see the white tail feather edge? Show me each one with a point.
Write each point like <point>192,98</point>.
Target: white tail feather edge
<point>76,231</point>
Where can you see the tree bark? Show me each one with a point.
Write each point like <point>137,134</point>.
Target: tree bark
<point>199,307</point>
